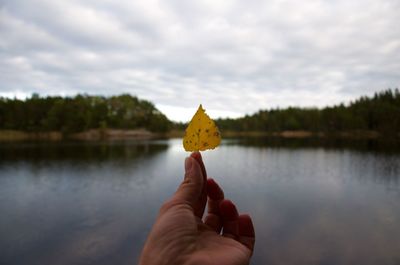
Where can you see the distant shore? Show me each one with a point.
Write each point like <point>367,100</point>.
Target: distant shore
<point>89,135</point>
<point>142,134</point>
<point>295,134</point>
<point>306,134</point>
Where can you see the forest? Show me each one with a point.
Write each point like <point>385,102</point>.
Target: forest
<point>80,113</point>
<point>380,113</point>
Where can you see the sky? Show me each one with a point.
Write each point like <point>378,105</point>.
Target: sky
<point>234,57</point>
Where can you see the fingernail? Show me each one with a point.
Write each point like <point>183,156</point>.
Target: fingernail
<point>188,164</point>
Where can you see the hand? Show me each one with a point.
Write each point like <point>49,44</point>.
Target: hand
<point>180,236</point>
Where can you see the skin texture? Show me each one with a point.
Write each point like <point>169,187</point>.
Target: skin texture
<point>181,235</point>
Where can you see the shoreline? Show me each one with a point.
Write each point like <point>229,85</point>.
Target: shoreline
<point>308,134</point>
<point>142,134</point>
<point>89,135</point>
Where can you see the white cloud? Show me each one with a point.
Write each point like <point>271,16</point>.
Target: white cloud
<point>184,114</point>
<point>235,57</point>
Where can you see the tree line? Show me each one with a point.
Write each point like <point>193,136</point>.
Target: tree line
<point>80,113</point>
<point>380,113</point>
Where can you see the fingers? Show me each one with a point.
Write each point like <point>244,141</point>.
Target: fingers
<point>201,204</point>
<point>230,218</point>
<point>199,159</point>
<point>215,196</point>
<point>246,231</point>
<point>191,188</point>
<point>238,227</point>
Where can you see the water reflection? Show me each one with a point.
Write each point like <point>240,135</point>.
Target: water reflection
<point>80,151</point>
<point>387,146</point>
<point>66,203</point>
<point>94,203</point>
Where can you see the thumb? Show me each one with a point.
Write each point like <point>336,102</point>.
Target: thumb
<point>191,188</point>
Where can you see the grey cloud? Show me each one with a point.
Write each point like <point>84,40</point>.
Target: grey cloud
<point>234,55</point>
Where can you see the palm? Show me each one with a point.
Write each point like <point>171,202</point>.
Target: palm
<point>203,243</point>
<point>221,250</point>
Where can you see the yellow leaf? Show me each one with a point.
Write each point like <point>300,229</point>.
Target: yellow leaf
<point>201,133</point>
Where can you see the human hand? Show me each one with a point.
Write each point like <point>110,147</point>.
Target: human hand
<point>180,236</point>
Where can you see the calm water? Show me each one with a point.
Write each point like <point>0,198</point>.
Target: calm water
<point>312,202</point>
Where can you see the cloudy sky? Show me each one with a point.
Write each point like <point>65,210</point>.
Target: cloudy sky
<point>235,57</point>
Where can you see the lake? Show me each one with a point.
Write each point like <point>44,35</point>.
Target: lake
<point>312,201</point>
